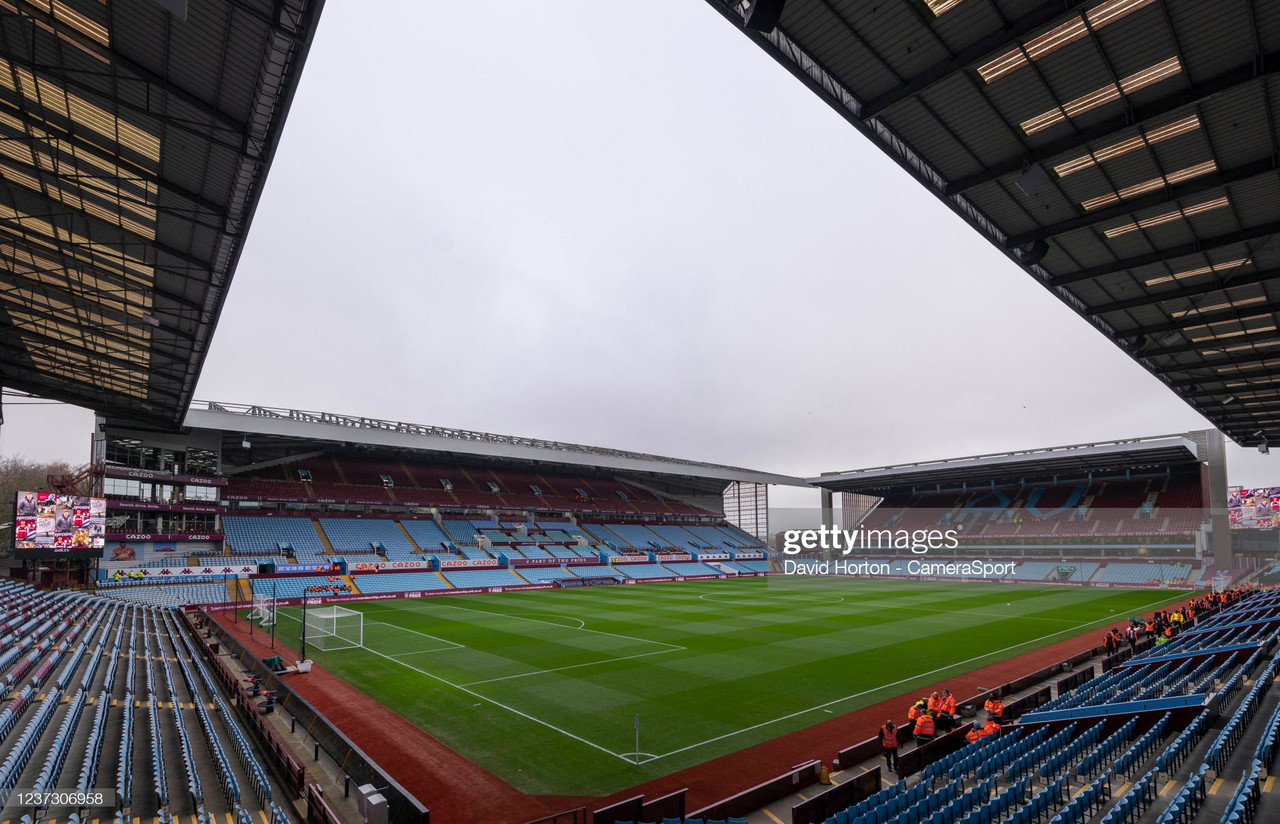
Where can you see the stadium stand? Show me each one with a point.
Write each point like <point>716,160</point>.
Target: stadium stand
<point>89,659</point>
<point>360,535</point>
<point>269,536</point>
<point>399,582</point>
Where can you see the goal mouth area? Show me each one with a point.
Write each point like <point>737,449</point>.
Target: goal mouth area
<point>331,628</point>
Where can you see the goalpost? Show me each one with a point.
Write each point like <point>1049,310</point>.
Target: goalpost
<point>264,611</point>
<point>332,628</point>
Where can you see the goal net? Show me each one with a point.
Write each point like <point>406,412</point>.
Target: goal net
<point>264,611</point>
<point>330,628</point>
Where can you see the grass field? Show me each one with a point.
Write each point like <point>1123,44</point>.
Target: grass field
<point>543,687</point>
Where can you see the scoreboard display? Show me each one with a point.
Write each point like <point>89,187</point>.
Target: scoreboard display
<point>47,525</point>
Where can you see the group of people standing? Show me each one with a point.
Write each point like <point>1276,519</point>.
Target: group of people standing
<point>926,718</point>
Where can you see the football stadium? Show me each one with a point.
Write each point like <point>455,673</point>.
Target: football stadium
<point>257,614</point>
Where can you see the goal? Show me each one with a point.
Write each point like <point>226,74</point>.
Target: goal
<point>264,611</point>
<point>331,628</point>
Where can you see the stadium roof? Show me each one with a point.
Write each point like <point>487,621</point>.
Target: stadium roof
<point>1073,461</point>
<point>135,138</point>
<point>1122,152</point>
<point>275,431</point>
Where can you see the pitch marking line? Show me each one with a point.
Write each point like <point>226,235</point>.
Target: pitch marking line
<point>882,687</point>
<point>673,647</point>
<point>574,666</point>
<point>501,705</point>
<point>629,758</point>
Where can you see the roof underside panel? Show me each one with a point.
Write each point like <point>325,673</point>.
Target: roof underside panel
<point>1123,152</point>
<point>133,148</point>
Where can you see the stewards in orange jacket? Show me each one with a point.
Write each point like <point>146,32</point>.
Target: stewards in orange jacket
<point>889,744</point>
<point>925,729</point>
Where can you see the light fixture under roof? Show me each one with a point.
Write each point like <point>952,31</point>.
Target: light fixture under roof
<point>1231,304</point>
<point>1149,137</point>
<point>1200,270</point>
<point>941,7</point>
<point>1167,217</point>
<point>1064,34</point>
<point>1107,94</point>
<point>1151,185</point>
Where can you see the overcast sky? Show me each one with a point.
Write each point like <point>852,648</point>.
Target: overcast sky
<point>625,225</point>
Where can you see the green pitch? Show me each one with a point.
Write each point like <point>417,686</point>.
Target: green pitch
<point>543,687</point>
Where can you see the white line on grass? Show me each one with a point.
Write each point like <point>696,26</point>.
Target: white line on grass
<point>452,644</point>
<point>562,626</point>
<point>629,759</point>
<point>575,666</point>
<point>1106,620</point>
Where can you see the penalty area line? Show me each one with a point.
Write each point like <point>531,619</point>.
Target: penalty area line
<point>628,758</point>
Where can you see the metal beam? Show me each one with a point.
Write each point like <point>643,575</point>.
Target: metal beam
<point>99,357</point>
<point>1199,92</point>
<point>1268,365</point>
<point>75,264</point>
<point>1164,196</point>
<point>1208,287</point>
<point>218,118</point>
<point>1208,318</point>
<point>1161,255</point>
<point>1008,36</point>
<point>1189,346</point>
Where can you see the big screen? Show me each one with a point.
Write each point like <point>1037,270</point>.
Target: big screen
<point>1254,508</point>
<point>49,525</point>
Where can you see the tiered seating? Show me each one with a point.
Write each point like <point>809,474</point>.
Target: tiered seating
<point>399,582</point>
<point>1140,573</point>
<point>644,571</point>
<point>348,535</point>
<point>468,578</point>
<point>171,595</point>
<point>263,535</point>
<point>685,569</point>
<point>542,575</point>
<point>462,532</point>
<point>596,572</point>
<point>290,587</point>
<point>427,534</point>
<point>637,536</point>
<point>739,538</point>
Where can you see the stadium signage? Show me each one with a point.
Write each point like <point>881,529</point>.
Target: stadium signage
<point>181,572</point>
<point>152,475</point>
<point>381,565</point>
<point>714,556</point>
<point>674,557</point>
<point>155,536</point>
<point>460,563</point>
<point>159,507</point>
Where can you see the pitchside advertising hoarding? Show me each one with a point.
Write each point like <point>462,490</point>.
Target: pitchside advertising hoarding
<point>1254,508</point>
<point>49,525</point>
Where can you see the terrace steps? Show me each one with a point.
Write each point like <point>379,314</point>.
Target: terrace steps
<point>349,581</point>
<point>337,466</point>
<point>324,539</point>
<point>409,537</point>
